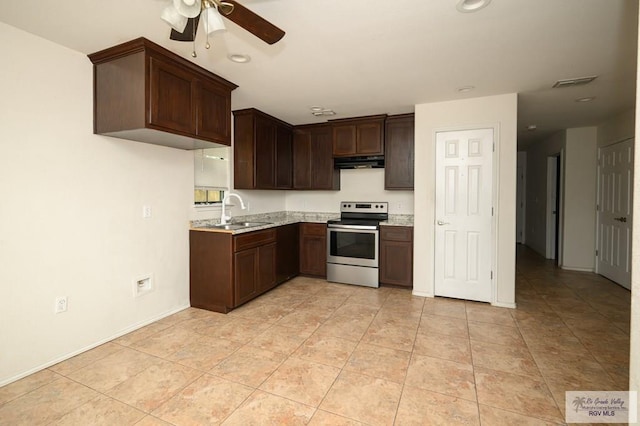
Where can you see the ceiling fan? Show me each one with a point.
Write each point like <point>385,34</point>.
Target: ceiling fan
<point>184,15</point>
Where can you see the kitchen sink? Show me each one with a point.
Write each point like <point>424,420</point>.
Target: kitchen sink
<point>238,225</point>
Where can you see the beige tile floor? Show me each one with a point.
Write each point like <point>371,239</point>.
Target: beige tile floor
<point>312,352</point>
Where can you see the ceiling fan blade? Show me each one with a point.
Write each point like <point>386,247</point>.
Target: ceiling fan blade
<point>189,33</point>
<point>252,22</point>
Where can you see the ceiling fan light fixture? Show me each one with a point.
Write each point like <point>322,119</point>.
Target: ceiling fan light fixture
<point>175,20</point>
<point>468,6</point>
<point>188,8</point>
<point>212,20</point>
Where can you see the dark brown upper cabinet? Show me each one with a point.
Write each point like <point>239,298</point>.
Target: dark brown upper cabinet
<point>399,152</point>
<point>358,136</point>
<point>313,158</point>
<point>144,92</point>
<point>262,149</point>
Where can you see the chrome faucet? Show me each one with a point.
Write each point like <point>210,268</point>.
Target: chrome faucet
<point>224,219</point>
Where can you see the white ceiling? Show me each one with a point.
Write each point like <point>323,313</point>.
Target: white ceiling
<point>361,57</point>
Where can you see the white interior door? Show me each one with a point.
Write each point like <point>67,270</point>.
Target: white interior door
<point>463,229</point>
<point>615,178</point>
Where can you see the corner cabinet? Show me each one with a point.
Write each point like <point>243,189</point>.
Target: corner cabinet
<point>144,92</point>
<point>228,270</point>
<point>313,159</point>
<point>358,136</point>
<point>396,256</point>
<point>399,152</point>
<point>262,151</point>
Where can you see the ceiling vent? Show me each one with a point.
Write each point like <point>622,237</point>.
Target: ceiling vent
<point>574,82</point>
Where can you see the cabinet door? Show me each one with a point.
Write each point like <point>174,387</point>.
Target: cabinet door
<point>213,104</point>
<point>171,95</point>
<point>302,159</point>
<point>369,138</point>
<point>284,157</point>
<point>313,256</point>
<point>396,255</point>
<point>399,153</point>
<point>266,267</point>
<point>243,158</point>
<point>265,152</point>
<point>287,252</point>
<point>344,140</point>
<point>323,174</point>
<point>313,249</point>
<point>245,273</point>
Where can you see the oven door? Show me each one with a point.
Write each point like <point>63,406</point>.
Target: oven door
<point>348,246</point>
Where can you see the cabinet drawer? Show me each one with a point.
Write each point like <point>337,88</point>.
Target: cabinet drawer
<point>319,229</point>
<point>396,233</point>
<point>253,239</point>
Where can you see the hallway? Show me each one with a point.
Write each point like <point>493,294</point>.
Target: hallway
<point>575,325</point>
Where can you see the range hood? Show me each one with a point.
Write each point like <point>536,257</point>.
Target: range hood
<point>362,162</point>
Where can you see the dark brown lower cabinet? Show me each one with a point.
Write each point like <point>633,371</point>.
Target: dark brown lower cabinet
<point>313,249</point>
<point>287,252</point>
<point>396,255</point>
<point>228,270</point>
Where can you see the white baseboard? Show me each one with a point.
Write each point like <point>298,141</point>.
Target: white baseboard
<point>577,269</point>
<point>422,294</point>
<point>504,305</point>
<point>91,346</point>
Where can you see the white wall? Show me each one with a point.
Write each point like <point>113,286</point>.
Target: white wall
<point>71,213</point>
<point>617,129</point>
<point>580,184</point>
<point>634,357</point>
<point>536,205</point>
<point>355,185</point>
<point>500,111</point>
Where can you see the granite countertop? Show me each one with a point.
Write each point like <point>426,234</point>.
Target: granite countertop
<point>285,218</point>
<point>399,220</point>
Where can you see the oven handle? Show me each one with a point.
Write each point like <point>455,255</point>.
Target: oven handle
<point>353,227</point>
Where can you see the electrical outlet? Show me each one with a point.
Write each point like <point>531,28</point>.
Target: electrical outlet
<point>146,212</point>
<point>61,305</point>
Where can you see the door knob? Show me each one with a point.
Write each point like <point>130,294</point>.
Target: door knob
<point>442,223</point>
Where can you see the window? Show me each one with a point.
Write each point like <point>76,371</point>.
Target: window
<point>207,196</point>
<point>211,175</point>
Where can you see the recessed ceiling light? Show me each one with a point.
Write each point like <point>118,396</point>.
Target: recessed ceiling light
<point>465,89</point>
<point>586,99</point>
<point>239,58</point>
<point>466,6</point>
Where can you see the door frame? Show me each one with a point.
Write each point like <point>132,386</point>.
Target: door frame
<point>521,187</point>
<point>555,184</point>
<point>495,198</point>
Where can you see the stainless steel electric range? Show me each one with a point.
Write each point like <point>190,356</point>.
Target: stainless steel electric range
<point>352,243</point>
